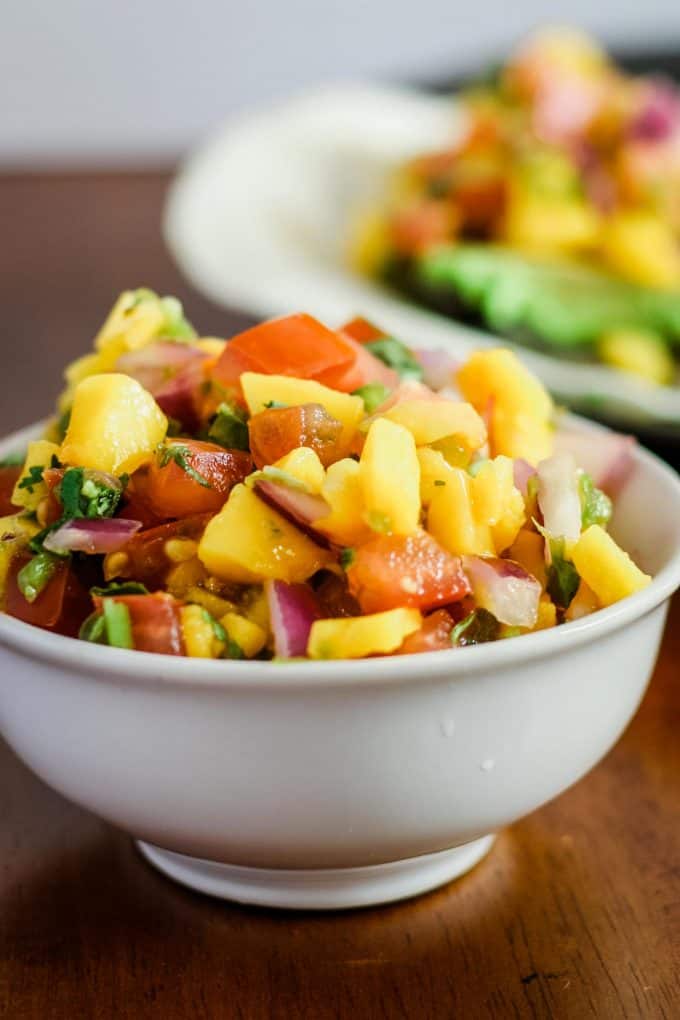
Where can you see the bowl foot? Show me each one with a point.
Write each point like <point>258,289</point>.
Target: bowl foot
<point>323,888</point>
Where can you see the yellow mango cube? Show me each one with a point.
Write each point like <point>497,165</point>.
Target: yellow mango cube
<point>643,248</point>
<point>451,518</point>
<point>115,425</point>
<point>210,345</point>
<point>550,224</point>
<point>520,409</point>
<point>431,420</point>
<point>434,470</point>
<point>356,637</point>
<point>259,390</point>
<point>38,455</point>
<point>390,478</point>
<point>583,603</point>
<point>304,465</point>
<point>547,614</point>
<point>342,490</point>
<point>200,640</point>
<point>250,637</point>
<point>639,352</point>
<point>607,570</point>
<point>528,549</point>
<point>135,319</point>
<point>247,542</point>
<point>497,502</point>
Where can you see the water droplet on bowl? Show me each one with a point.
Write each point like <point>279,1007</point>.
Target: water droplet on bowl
<point>447,726</point>
<point>487,765</point>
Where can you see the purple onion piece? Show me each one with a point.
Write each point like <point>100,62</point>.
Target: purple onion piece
<point>299,507</point>
<point>438,367</point>
<point>606,456</point>
<point>522,472</point>
<point>504,588</point>
<point>91,536</point>
<point>293,608</point>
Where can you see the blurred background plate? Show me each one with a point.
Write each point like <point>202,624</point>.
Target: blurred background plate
<point>258,218</point>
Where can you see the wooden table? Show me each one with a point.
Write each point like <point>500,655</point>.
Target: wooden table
<point>575,914</point>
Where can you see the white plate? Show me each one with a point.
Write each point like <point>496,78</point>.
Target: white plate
<point>257,218</point>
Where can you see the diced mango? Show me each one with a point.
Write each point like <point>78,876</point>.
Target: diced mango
<point>115,425</point>
<point>259,390</point>
<point>643,248</point>
<point>15,531</point>
<point>547,614</point>
<point>550,224</point>
<point>342,490</point>
<point>247,541</point>
<point>250,638</point>
<point>355,637</point>
<point>451,518</point>
<point>215,605</point>
<point>605,567</point>
<point>497,502</point>
<point>255,606</point>
<point>453,452</point>
<point>434,470</point>
<point>303,464</point>
<point>135,319</point>
<point>431,420</point>
<point>528,550</point>
<point>38,455</point>
<point>583,603</point>
<point>640,352</point>
<point>520,410</point>
<point>200,640</point>
<point>390,478</point>
<point>210,345</point>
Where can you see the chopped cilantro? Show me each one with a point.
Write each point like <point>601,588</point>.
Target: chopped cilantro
<point>179,454</point>
<point>596,506</point>
<point>373,395</point>
<point>33,478</point>
<point>36,575</point>
<point>347,557</point>
<point>274,404</point>
<point>229,428</point>
<point>396,355</point>
<point>562,576</point>
<point>232,650</point>
<point>120,588</point>
<point>477,628</point>
<point>439,481</point>
<point>217,628</point>
<point>83,494</point>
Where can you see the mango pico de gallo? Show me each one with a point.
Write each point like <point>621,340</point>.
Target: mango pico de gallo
<point>303,491</point>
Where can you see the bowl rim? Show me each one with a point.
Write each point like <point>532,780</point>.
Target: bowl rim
<point>131,668</point>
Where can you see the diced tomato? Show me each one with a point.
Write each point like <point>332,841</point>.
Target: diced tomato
<point>278,430</point>
<point>9,476</point>
<point>146,557</point>
<point>362,330</point>
<point>365,368</point>
<point>405,570</point>
<point>297,345</point>
<point>422,224</point>
<point>60,607</point>
<point>156,622</point>
<point>171,491</point>
<point>433,636</point>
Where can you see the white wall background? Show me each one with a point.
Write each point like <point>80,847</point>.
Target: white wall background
<point>116,80</point>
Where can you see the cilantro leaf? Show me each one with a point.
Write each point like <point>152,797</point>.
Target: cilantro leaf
<point>347,557</point>
<point>596,506</point>
<point>33,478</point>
<point>562,576</point>
<point>229,428</point>
<point>477,628</point>
<point>120,588</point>
<point>179,454</point>
<point>373,395</point>
<point>396,355</point>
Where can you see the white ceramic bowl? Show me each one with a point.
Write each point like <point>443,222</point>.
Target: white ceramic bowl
<point>338,784</point>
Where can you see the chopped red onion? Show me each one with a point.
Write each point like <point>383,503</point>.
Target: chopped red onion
<point>659,117</point>
<point>606,456</point>
<point>155,364</point>
<point>558,496</point>
<point>101,535</point>
<point>439,366</point>
<point>297,506</point>
<point>505,589</point>
<point>293,608</point>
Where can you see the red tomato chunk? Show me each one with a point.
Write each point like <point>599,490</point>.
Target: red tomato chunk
<point>278,430</point>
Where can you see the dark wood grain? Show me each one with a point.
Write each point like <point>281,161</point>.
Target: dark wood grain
<point>575,914</point>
